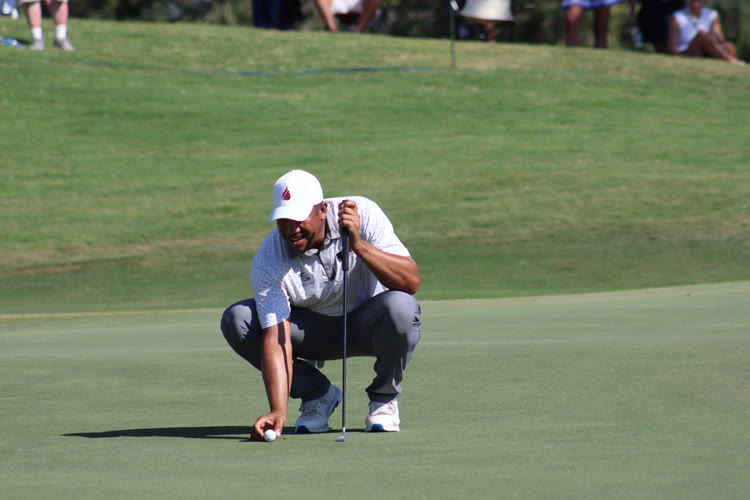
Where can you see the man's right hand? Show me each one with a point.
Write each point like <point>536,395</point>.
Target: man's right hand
<point>273,421</point>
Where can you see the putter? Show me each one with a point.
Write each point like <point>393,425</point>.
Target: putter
<point>345,267</point>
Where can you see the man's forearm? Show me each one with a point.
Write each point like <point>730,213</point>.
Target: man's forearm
<point>277,366</point>
<point>395,272</point>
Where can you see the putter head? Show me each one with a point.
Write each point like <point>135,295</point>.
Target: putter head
<point>343,437</point>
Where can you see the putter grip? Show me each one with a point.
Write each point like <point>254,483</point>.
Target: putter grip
<point>345,249</point>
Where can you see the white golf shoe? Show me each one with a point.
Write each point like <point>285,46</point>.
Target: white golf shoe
<point>316,412</point>
<point>383,417</point>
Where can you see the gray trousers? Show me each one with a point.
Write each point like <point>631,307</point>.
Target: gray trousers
<point>387,327</point>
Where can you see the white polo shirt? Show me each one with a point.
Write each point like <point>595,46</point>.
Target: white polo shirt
<point>281,277</point>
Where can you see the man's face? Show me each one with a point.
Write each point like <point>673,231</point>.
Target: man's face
<point>306,234</point>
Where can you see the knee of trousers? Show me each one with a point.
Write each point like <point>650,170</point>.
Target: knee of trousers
<point>237,323</point>
<point>404,315</point>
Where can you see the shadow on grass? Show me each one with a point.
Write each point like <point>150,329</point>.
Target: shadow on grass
<point>236,433</point>
<point>239,433</point>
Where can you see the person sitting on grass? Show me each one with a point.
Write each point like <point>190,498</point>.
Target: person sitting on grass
<point>695,31</point>
<point>653,19</point>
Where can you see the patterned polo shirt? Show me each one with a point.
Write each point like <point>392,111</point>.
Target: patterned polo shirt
<point>282,277</point>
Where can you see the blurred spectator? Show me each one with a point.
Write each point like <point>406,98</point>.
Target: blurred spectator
<point>59,11</point>
<point>695,31</point>
<point>574,10</point>
<point>358,13</point>
<point>652,20</point>
<point>276,14</point>
<point>9,8</point>
<point>467,29</point>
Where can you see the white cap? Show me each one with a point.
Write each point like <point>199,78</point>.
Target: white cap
<point>294,196</point>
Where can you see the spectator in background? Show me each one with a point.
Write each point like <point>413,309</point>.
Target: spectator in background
<point>276,14</point>
<point>653,20</point>
<point>574,10</point>
<point>59,11</point>
<point>359,13</point>
<point>9,8</point>
<point>695,31</point>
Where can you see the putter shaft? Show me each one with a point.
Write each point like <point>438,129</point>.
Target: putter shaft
<point>345,267</point>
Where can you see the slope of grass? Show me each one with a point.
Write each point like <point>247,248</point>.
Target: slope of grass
<point>137,170</point>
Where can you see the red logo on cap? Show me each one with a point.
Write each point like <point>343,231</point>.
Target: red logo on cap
<point>286,195</point>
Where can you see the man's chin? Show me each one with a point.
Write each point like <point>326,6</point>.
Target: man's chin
<point>300,246</point>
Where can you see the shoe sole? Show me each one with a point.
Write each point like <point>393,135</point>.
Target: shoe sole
<point>304,430</point>
<point>380,428</point>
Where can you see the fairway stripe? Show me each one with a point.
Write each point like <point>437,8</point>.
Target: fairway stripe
<point>736,288</point>
<point>102,313</point>
<point>306,72</point>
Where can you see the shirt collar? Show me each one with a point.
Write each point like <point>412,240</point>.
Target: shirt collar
<point>332,223</point>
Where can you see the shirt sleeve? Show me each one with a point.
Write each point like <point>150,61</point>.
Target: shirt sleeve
<point>271,298</point>
<point>377,230</point>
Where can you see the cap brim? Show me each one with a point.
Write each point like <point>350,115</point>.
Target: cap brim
<point>292,213</point>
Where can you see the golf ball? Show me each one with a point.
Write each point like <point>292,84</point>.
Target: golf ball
<point>269,435</point>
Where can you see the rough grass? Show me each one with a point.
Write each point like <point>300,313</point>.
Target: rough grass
<point>137,169</point>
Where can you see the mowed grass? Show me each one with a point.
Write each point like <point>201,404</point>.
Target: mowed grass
<point>136,172</point>
<point>135,180</point>
<point>640,394</point>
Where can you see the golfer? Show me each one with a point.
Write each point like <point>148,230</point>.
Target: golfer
<point>294,321</point>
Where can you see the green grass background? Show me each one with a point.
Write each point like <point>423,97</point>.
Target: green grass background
<point>135,180</point>
<point>132,177</point>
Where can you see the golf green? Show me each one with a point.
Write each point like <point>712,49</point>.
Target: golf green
<point>639,394</point>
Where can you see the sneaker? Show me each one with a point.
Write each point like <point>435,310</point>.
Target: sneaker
<point>383,417</point>
<point>64,44</point>
<point>37,44</point>
<point>316,412</point>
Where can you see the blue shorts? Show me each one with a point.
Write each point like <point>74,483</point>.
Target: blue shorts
<point>589,4</point>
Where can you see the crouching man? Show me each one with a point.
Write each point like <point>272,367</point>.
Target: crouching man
<point>294,320</point>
